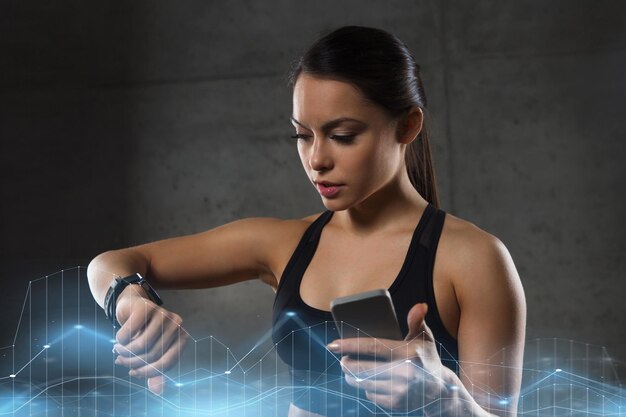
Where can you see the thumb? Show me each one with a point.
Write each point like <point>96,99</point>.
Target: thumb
<point>156,383</point>
<point>415,320</point>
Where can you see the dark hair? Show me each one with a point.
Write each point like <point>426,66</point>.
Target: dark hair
<point>382,68</point>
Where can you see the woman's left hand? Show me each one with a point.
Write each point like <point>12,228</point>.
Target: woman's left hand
<point>406,374</point>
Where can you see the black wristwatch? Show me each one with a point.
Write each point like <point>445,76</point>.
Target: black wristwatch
<point>116,288</point>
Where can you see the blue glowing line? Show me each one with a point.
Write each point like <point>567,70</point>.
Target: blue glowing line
<point>29,362</point>
<point>19,323</point>
<point>602,397</point>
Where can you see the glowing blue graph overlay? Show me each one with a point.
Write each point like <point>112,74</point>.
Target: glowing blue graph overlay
<point>59,362</point>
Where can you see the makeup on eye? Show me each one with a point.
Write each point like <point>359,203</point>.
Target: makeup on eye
<point>356,126</point>
<point>300,136</point>
<point>345,138</point>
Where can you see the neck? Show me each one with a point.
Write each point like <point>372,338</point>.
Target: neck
<point>389,208</point>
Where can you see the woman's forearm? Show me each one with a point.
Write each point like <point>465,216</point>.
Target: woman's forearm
<point>459,402</point>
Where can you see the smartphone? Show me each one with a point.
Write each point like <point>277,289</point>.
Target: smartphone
<point>367,314</point>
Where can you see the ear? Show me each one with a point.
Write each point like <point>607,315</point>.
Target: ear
<point>410,125</point>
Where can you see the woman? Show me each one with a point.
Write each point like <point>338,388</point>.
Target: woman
<point>359,112</point>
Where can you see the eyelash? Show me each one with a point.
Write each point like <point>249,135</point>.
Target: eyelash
<point>345,139</point>
<point>299,136</point>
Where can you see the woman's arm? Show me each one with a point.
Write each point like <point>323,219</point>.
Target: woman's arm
<point>492,323</point>
<point>151,338</point>
<point>238,251</point>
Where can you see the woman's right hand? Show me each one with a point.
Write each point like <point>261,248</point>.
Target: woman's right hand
<point>151,338</point>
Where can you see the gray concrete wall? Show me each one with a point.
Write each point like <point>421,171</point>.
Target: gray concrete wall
<point>125,123</point>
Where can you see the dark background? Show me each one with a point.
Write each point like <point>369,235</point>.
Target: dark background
<point>126,122</point>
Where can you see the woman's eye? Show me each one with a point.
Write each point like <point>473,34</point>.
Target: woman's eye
<point>300,136</point>
<point>343,138</point>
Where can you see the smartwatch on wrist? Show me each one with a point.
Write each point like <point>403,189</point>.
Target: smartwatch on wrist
<point>117,286</point>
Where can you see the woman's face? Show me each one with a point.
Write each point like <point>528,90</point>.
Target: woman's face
<point>347,145</point>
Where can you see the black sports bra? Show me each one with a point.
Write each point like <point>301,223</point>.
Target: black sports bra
<point>301,332</point>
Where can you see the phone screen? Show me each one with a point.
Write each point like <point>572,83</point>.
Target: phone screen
<point>367,314</point>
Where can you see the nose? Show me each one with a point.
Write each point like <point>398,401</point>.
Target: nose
<point>320,158</point>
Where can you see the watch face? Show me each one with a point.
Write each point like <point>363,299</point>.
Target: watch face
<point>151,293</point>
<point>121,283</point>
<point>131,279</point>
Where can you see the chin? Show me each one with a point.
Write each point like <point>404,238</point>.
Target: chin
<point>335,204</point>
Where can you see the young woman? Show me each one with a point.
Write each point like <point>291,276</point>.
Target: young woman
<point>359,113</point>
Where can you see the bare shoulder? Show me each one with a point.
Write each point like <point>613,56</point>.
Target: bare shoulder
<point>278,238</point>
<point>274,229</point>
<point>475,261</point>
<point>466,239</point>
<point>290,231</point>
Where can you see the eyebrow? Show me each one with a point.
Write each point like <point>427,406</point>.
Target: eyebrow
<point>330,124</point>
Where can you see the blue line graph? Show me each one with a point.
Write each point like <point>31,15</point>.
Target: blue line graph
<point>59,363</point>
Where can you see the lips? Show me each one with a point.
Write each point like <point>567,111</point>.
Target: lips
<point>326,183</point>
<point>328,189</point>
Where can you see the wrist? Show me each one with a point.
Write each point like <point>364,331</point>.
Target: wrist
<point>132,291</point>
<point>130,295</point>
<point>455,399</point>
<point>124,289</point>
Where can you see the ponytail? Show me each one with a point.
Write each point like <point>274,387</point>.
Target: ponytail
<point>419,165</point>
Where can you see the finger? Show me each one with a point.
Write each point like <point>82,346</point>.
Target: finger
<point>378,386</point>
<point>137,361</point>
<point>416,320</point>
<point>156,384</point>
<point>144,339</point>
<point>381,350</point>
<point>143,342</point>
<point>155,339</point>
<point>169,336</point>
<point>365,346</point>
<point>135,323</point>
<point>363,368</point>
<point>402,371</point>
<point>383,400</point>
<point>168,359</point>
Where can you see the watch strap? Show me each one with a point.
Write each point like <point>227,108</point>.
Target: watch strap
<point>117,286</point>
